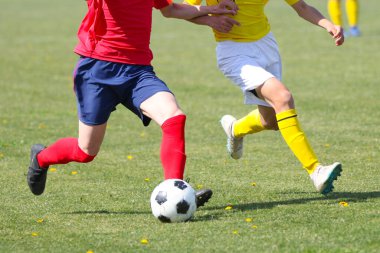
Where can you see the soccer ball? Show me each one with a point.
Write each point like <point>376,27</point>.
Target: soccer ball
<point>173,200</point>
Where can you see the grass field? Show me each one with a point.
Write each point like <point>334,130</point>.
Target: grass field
<point>104,206</point>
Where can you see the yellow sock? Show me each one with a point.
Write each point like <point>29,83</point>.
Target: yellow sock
<point>352,9</point>
<point>335,12</point>
<point>291,131</point>
<point>248,125</point>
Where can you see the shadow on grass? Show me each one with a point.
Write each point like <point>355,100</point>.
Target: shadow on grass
<point>344,196</point>
<point>197,218</point>
<point>107,212</point>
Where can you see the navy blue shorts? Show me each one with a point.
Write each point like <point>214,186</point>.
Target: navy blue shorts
<point>101,85</point>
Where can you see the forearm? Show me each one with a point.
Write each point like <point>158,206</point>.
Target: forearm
<point>184,11</point>
<point>309,13</point>
<point>312,15</point>
<point>202,20</point>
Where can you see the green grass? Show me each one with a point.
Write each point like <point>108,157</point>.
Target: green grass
<point>105,206</point>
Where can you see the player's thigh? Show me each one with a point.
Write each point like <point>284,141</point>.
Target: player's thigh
<point>160,107</point>
<point>91,137</point>
<point>95,96</point>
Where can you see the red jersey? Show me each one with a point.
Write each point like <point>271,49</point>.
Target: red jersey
<point>118,30</point>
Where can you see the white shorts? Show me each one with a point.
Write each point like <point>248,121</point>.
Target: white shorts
<point>250,64</point>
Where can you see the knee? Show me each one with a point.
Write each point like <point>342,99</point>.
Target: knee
<point>174,114</point>
<point>86,158</point>
<point>285,97</point>
<point>86,154</point>
<point>283,101</point>
<point>178,112</point>
<point>92,151</point>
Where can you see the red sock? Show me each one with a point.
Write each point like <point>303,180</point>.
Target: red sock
<point>61,152</point>
<point>173,155</point>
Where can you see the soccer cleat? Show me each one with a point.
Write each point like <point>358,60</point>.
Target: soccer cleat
<point>36,175</point>
<point>234,145</point>
<point>354,31</point>
<point>202,196</point>
<point>323,177</point>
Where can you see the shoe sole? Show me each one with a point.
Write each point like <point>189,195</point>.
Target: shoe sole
<point>333,176</point>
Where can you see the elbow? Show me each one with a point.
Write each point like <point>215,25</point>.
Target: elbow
<point>167,12</point>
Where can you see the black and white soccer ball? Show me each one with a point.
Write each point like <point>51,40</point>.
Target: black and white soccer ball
<point>173,200</point>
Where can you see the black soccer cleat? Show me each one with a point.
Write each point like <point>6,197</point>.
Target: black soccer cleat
<point>202,197</point>
<point>36,175</point>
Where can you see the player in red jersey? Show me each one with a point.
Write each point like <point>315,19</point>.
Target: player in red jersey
<point>115,68</point>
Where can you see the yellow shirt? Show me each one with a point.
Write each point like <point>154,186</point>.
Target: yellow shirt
<point>254,24</point>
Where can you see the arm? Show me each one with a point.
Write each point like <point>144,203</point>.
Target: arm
<point>185,11</point>
<point>312,15</point>
<point>220,23</point>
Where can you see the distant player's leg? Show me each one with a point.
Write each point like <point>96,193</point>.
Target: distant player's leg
<point>334,9</point>
<point>65,150</point>
<point>352,10</point>
<point>163,109</point>
<point>282,101</point>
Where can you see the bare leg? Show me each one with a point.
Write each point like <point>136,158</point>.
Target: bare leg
<point>268,117</point>
<point>160,107</point>
<point>91,137</point>
<point>276,94</point>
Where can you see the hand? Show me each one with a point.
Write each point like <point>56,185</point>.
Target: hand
<point>225,7</point>
<point>337,33</point>
<point>222,23</point>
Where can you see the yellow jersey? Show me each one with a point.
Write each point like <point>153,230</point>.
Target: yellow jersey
<point>254,24</point>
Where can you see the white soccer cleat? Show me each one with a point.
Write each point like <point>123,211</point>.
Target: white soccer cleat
<point>234,145</point>
<point>323,177</point>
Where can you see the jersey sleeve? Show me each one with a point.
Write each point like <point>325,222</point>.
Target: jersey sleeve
<point>194,2</point>
<point>159,4</point>
<point>291,2</point>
